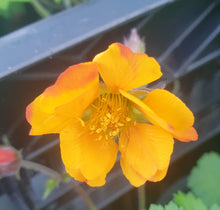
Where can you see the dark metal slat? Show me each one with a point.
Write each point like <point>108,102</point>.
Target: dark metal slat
<point>191,27</point>
<point>42,39</point>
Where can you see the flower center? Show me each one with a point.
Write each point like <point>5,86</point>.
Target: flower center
<point>110,112</point>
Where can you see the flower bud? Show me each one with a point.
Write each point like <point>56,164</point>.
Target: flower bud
<point>134,42</point>
<point>9,161</point>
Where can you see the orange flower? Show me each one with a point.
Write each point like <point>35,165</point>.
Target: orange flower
<point>97,119</point>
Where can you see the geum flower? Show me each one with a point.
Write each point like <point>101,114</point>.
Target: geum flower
<point>95,119</point>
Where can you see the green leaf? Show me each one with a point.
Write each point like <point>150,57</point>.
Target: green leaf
<point>4,12</point>
<point>189,202</point>
<point>156,207</point>
<point>170,206</point>
<point>204,180</point>
<point>57,1</point>
<point>4,4</point>
<point>8,8</point>
<point>23,1</point>
<point>49,186</point>
<point>16,8</point>
<point>215,207</point>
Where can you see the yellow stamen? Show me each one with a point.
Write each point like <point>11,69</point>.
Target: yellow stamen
<point>120,124</point>
<point>100,137</point>
<point>99,130</point>
<point>128,119</point>
<point>92,127</point>
<point>108,115</point>
<point>110,112</point>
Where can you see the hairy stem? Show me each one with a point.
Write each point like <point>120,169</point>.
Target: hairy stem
<point>40,9</point>
<point>141,198</point>
<point>54,174</point>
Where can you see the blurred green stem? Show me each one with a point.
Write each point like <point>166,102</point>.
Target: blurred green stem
<point>67,3</point>
<point>54,174</point>
<point>40,9</point>
<point>141,198</point>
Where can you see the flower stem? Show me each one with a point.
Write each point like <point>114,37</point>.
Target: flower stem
<point>141,198</point>
<point>38,167</point>
<point>67,3</point>
<point>54,174</point>
<point>40,9</point>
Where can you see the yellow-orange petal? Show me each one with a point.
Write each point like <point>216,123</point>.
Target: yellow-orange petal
<point>168,112</point>
<point>71,146</point>
<point>171,109</point>
<point>76,173</point>
<point>98,182</point>
<point>98,156</point>
<point>148,150</point>
<point>189,134</point>
<point>121,68</point>
<point>159,175</point>
<point>83,151</point>
<point>145,110</point>
<point>133,176</point>
<point>71,94</point>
